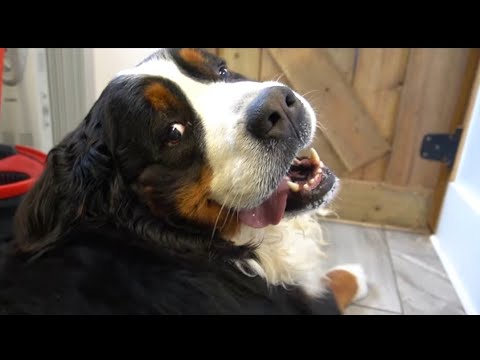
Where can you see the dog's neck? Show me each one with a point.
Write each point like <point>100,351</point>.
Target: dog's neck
<point>287,254</point>
<point>180,237</point>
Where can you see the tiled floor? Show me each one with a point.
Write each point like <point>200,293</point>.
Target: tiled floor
<point>405,274</point>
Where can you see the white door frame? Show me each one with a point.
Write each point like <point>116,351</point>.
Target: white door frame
<point>457,238</point>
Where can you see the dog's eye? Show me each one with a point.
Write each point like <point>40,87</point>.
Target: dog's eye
<point>175,133</point>
<point>223,72</point>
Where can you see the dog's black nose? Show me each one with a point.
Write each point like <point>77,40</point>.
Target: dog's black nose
<point>274,113</point>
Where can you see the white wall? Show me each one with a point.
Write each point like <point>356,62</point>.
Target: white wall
<point>458,238</point>
<point>25,117</point>
<point>103,63</point>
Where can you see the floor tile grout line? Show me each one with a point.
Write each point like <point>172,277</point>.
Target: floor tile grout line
<point>377,309</point>
<point>390,259</point>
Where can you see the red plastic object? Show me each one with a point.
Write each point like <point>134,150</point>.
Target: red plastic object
<point>27,160</point>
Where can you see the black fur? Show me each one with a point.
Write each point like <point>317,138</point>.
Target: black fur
<point>88,242</point>
<point>105,271</point>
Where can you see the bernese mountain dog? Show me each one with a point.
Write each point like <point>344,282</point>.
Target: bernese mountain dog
<point>187,189</point>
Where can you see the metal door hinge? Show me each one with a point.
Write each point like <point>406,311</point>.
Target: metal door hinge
<point>441,147</point>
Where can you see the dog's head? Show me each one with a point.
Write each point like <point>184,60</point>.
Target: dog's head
<point>194,143</point>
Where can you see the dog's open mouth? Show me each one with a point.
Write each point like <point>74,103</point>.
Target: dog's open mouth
<point>305,185</point>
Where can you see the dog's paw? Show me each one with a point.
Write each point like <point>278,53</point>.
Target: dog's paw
<point>361,278</point>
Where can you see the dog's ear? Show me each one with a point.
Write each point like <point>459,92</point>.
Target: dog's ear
<point>74,185</point>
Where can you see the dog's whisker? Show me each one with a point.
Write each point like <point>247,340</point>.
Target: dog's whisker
<point>310,92</point>
<point>229,210</point>
<point>219,214</point>
<point>312,98</point>
<point>237,206</point>
<point>278,77</point>
<point>239,202</point>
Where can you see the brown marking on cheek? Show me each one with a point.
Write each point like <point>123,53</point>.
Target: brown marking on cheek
<point>193,204</point>
<point>344,287</point>
<point>160,97</point>
<point>191,56</point>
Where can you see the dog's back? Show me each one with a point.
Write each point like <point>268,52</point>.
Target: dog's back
<point>99,272</point>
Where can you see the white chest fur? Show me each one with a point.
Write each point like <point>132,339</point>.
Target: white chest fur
<point>289,253</point>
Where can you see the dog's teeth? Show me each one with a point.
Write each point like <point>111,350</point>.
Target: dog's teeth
<point>306,187</point>
<point>322,164</point>
<point>318,171</point>
<point>312,181</point>
<point>293,186</point>
<point>314,158</point>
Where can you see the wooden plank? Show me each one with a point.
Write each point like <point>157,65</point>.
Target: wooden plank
<point>328,154</point>
<point>384,204</point>
<point>270,71</point>
<point>348,127</point>
<point>461,118</point>
<point>424,231</point>
<point>243,60</point>
<point>432,84</point>
<point>450,78</point>
<point>379,77</point>
<point>344,59</point>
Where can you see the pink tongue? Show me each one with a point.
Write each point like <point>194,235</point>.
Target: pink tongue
<point>270,211</point>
